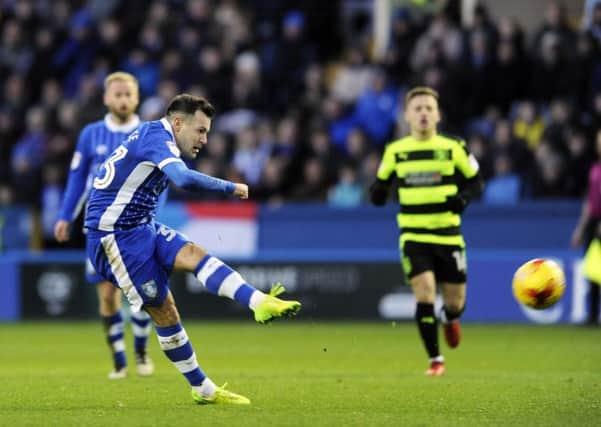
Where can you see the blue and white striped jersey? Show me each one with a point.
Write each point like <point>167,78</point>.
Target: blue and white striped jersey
<point>126,190</point>
<point>95,143</point>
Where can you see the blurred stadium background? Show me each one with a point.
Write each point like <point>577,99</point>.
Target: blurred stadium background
<point>308,92</point>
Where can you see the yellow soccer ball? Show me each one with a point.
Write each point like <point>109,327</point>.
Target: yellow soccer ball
<point>539,283</point>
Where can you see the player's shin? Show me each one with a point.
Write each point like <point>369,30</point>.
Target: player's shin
<point>428,328</point>
<point>176,346</point>
<point>220,279</point>
<point>113,327</point>
<point>140,323</point>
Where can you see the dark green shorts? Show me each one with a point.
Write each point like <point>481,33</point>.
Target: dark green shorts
<point>447,262</point>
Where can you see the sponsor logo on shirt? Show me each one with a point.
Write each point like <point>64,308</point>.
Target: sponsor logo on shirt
<point>423,178</point>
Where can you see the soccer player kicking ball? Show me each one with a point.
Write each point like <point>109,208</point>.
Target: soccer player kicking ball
<point>95,143</point>
<point>437,178</point>
<point>130,249</point>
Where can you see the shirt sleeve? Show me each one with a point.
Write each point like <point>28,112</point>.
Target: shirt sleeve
<point>75,192</point>
<point>387,164</point>
<point>192,180</point>
<point>464,160</point>
<point>161,150</point>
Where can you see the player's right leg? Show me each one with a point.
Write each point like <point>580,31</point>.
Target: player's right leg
<point>131,259</point>
<point>419,269</point>
<point>220,279</point>
<point>424,289</point>
<point>177,347</point>
<point>109,301</point>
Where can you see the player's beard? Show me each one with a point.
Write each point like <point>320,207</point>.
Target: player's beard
<point>122,114</point>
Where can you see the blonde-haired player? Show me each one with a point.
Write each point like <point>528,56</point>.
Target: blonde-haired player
<point>437,178</point>
<point>96,142</point>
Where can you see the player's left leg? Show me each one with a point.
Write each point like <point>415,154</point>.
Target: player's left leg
<point>451,265</point>
<point>221,279</point>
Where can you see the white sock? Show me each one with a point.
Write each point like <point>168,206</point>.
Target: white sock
<point>206,389</point>
<point>255,299</point>
<point>439,359</point>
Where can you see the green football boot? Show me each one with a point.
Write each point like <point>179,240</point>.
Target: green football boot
<point>221,396</point>
<point>272,307</point>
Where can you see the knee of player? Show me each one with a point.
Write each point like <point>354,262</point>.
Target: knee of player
<point>189,256</point>
<point>455,307</point>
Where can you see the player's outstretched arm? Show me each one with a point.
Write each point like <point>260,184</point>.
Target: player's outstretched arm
<point>192,180</point>
<point>241,191</point>
<point>75,191</point>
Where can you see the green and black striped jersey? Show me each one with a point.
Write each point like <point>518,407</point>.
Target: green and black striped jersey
<point>428,172</point>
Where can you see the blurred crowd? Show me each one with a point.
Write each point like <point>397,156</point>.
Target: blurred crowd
<point>304,105</point>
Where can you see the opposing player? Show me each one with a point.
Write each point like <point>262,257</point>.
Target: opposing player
<point>96,142</point>
<point>128,248</point>
<point>437,178</point>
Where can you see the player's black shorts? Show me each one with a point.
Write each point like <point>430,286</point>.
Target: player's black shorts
<point>446,261</point>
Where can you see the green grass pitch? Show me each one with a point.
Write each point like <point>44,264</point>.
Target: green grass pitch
<point>311,374</point>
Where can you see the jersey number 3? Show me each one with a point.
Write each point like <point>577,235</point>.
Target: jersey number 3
<point>109,168</point>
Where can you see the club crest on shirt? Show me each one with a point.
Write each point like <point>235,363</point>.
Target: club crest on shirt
<point>173,148</point>
<point>149,288</point>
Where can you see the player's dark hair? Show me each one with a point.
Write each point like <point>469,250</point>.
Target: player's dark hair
<point>420,90</point>
<point>189,105</point>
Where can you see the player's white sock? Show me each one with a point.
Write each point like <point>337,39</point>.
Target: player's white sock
<point>220,279</point>
<point>438,359</point>
<point>206,389</point>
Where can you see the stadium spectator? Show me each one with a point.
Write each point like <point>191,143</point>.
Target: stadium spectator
<point>404,34</point>
<point>313,184</point>
<point>548,180</point>
<point>347,192</point>
<point>506,143</point>
<point>579,160</point>
<point>353,76</point>
<point>508,79</point>
<point>528,125</point>
<point>376,109</point>
<point>27,157</point>
<point>504,188</point>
